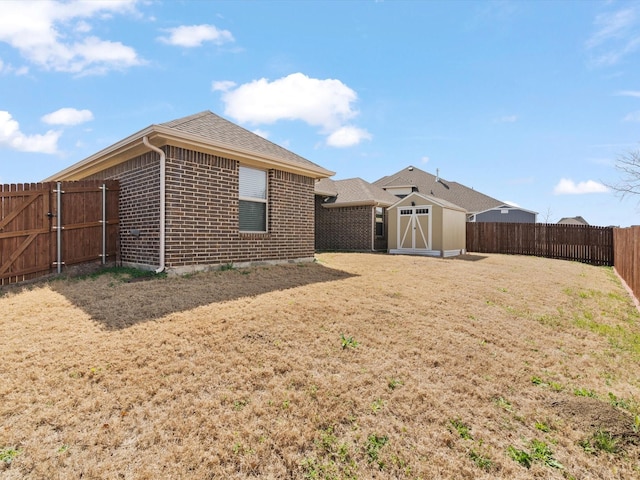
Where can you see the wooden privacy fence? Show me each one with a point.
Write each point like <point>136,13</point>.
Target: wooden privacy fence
<point>582,243</point>
<point>626,242</point>
<point>44,226</point>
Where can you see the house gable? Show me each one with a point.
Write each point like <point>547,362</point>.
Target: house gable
<point>204,132</point>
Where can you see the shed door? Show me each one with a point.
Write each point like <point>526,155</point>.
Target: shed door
<point>414,228</point>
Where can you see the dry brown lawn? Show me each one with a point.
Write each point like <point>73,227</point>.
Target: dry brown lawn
<point>357,366</point>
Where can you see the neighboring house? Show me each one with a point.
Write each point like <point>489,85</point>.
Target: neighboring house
<point>504,213</point>
<point>479,207</point>
<point>425,225</point>
<point>351,215</point>
<point>200,192</point>
<point>573,221</point>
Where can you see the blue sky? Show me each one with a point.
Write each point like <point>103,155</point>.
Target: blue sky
<point>528,102</point>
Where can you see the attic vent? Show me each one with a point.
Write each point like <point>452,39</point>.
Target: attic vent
<point>410,169</point>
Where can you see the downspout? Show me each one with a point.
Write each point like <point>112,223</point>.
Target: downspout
<point>375,225</point>
<point>163,168</point>
<point>373,233</point>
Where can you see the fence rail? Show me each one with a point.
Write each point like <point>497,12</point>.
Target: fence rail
<point>48,225</point>
<point>581,243</point>
<point>626,242</point>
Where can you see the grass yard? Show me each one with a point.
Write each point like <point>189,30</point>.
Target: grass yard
<point>357,366</point>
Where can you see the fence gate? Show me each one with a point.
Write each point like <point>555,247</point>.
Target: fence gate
<point>25,231</point>
<point>45,226</point>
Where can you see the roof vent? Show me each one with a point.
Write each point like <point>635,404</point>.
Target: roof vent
<point>410,169</point>
<point>437,174</point>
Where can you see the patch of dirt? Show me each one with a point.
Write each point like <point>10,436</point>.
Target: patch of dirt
<point>590,414</point>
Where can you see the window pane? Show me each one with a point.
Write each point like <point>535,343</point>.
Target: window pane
<point>253,183</point>
<point>253,216</point>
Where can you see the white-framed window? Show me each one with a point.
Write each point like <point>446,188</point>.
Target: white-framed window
<point>380,221</point>
<point>253,200</point>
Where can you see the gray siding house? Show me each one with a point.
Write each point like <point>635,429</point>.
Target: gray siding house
<point>504,213</point>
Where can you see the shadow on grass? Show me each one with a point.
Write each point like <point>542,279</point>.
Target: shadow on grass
<point>467,257</point>
<point>116,304</point>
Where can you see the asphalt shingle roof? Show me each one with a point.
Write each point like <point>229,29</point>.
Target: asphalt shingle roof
<point>468,198</point>
<point>353,191</point>
<point>214,128</point>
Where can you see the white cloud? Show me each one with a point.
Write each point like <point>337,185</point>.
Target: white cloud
<point>190,36</point>
<point>611,25</point>
<point>40,31</point>
<point>424,159</point>
<point>568,187</point>
<point>632,117</point>
<point>222,86</point>
<point>8,68</point>
<point>12,137</point>
<point>513,204</point>
<point>68,116</point>
<point>83,27</point>
<point>347,136</point>
<point>616,36</point>
<point>507,119</point>
<point>629,93</point>
<point>327,104</point>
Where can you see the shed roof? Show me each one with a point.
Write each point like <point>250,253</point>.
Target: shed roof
<point>352,192</point>
<point>431,199</point>
<point>206,132</point>
<point>468,198</point>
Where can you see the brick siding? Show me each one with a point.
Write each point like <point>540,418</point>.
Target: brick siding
<point>139,208</point>
<point>343,228</point>
<point>202,212</point>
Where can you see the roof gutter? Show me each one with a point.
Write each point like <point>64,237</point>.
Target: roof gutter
<point>357,203</point>
<point>163,195</point>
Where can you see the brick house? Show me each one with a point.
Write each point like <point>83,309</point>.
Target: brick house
<point>351,215</point>
<point>199,192</point>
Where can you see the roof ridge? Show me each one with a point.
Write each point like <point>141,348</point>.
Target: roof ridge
<point>234,125</point>
<point>188,118</point>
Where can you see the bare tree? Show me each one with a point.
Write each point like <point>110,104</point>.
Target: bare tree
<point>628,165</point>
<point>547,215</point>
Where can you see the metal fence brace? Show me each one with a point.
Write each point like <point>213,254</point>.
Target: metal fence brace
<point>103,256</point>
<point>58,191</point>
